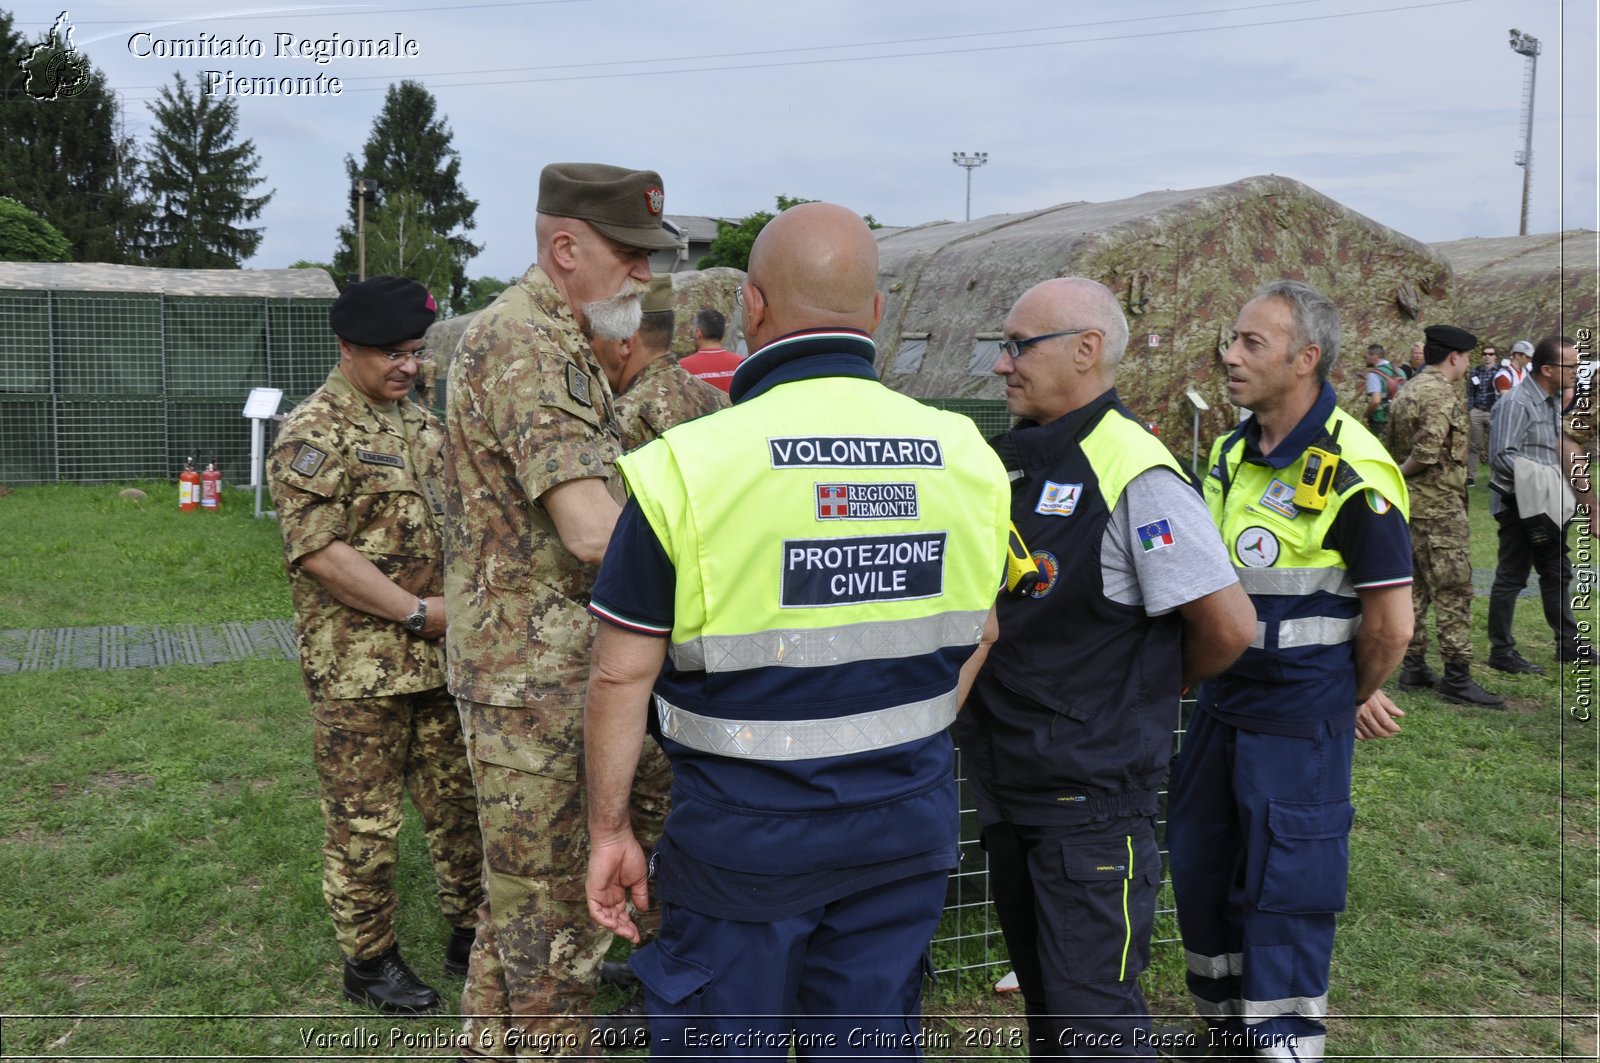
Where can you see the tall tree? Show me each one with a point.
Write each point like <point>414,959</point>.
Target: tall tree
<point>200,178</point>
<point>63,154</point>
<point>731,245</point>
<point>410,151</point>
<point>401,243</point>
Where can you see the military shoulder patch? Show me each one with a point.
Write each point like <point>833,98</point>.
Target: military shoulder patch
<point>308,460</point>
<point>578,385</point>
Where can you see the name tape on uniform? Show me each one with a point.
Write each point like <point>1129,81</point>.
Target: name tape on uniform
<point>880,568</point>
<point>373,457</point>
<point>867,501</point>
<point>860,452</point>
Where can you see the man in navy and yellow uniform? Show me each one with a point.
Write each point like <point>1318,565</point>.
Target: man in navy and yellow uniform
<point>1068,732</point>
<point>1260,809</point>
<point>819,563</point>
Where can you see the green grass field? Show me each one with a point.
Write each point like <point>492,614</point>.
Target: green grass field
<point>159,835</point>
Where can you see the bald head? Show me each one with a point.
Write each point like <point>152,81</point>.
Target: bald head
<point>1078,302</point>
<point>814,266</point>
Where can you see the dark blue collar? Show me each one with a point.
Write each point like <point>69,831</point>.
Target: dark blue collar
<point>805,355</point>
<point>1031,445</point>
<point>1310,429</point>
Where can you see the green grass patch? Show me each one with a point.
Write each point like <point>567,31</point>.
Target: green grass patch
<point>160,833</point>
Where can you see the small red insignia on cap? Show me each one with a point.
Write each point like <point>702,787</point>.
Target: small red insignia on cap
<point>433,306</point>
<point>655,199</point>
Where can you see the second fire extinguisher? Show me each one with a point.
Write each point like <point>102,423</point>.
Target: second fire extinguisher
<point>211,487</point>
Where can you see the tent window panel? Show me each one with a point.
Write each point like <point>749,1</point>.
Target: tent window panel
<point>985,355</point>
<point>908,359</point>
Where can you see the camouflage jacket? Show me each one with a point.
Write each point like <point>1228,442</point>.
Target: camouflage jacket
<point>340,470</point>
<point>662,395</point>
<point>1428,420</point>
<point>528,410</point>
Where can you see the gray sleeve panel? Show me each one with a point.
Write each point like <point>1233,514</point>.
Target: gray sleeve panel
<point>1163,578</point>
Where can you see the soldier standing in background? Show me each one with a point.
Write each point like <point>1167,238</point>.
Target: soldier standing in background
<point>355,478</point>
<point>531,506</point>
<point>1428,433</point>
<point>654,392</point>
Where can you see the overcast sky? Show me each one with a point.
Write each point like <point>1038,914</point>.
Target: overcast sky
<point>1406,112</point>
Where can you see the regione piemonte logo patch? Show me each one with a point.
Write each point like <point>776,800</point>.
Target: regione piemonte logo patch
<point>895,501</point>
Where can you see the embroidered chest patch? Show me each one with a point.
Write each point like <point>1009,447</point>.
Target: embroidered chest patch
<point>1058,500</point>
<point>373,457</point>
<point>1280,499</point>
<point>1256,548</point>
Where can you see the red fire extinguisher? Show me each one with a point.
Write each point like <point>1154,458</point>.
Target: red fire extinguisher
<point>188,487</point>
<point>211,487</point>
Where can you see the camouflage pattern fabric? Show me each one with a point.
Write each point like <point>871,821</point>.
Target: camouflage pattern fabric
<point>529,409</point>
<point>370,752</point>
<point>531,980</point>
<point>1428,421</point>
<point>383,723</point>
<point>341,470</point>
<point>662,395</point>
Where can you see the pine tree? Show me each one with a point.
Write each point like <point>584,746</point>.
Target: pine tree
<point>410,151</point>
<point>200,179</point>
<point>66,158</point>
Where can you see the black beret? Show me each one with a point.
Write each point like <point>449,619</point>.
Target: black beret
<point>381,311</point>
<point>1450,338</point>
<point>623,204</point>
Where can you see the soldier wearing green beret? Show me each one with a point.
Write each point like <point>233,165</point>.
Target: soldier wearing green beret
<point>531,500</point>
<point>653,391</point>
<point>356,479</point>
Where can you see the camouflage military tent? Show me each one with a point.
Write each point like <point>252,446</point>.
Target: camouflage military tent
<point>1510,288</point>
<point>117,372</point>
<point>1182,262</point>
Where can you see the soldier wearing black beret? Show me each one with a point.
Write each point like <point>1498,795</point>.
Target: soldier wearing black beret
<point>356,478</point>
<point>1430,434</point>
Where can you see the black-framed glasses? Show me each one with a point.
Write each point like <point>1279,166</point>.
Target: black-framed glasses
<point>423,355</point>
<point>1013,348</point>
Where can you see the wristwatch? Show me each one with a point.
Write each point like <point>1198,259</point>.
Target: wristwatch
<point>415,622</point>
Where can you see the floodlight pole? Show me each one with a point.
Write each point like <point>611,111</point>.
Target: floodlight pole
<point>969,163</point>
<point>361,191</point>
<point>1527,45</point>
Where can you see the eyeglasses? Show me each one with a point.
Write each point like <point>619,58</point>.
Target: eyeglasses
<point>1013,348</point>
<point>423,355</point>
<point>738,295</point>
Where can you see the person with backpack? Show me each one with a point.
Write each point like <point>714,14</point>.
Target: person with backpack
<point>1383,381</point>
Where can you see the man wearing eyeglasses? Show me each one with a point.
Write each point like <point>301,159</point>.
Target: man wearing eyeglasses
<point>1068,731</point>
<point>356,476</point>
<point>1525,429</point>
<point>531,504</point>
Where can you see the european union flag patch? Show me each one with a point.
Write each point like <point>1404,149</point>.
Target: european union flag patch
<point>1155,535</point>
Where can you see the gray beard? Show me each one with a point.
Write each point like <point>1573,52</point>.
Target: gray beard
<point>616,318</point>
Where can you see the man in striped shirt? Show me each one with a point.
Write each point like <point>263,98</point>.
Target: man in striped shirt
<point>1526,424</point>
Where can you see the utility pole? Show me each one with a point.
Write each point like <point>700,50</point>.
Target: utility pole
<point>1526,44</point>
<point>361,191</point>
<point>969,163</point>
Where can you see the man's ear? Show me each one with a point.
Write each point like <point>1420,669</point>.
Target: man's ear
<point>564,250</point>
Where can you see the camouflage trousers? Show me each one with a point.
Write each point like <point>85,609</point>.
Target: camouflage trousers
<point>1441,559</point>
<point>370,752</point>
<point>531,981</point>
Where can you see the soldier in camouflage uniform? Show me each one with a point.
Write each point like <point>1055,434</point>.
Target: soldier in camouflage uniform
<point>356,476</point>
<point>1430,433</point>
<point>531,503</point>
<point>653,391</point>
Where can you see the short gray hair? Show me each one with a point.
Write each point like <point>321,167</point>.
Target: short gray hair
<point>1316,320</point>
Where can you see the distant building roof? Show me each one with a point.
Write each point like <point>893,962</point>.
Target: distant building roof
<point>697,228</point>
<point>104,277</point>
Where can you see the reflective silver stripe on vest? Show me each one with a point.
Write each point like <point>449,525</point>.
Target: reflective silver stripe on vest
<point>1215,966</point>
<point>807,739</point>
<point>1295,581</point>
<point>1216,1009</point>
<point>872,640</point>
<point>1309,631</point>
<point>1306,1007</point>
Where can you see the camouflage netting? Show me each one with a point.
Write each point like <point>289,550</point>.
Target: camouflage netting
<point>1183,264</point>
<point>1511,288</point>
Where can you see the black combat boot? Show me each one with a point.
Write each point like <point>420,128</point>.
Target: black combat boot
<point>1457,686</point>
<point>458,950</point>
<point>1416,675</point>
<point>387,984</point>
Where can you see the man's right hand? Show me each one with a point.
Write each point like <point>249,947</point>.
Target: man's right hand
<point>617,874</point>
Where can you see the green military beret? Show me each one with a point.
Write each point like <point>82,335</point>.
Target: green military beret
<point>623,204</point>
<point>658,296</point>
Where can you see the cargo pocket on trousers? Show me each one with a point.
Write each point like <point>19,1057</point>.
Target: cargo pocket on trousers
<point>1308,857</point>
<point>672,984</point>
<point>1109,895</point>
